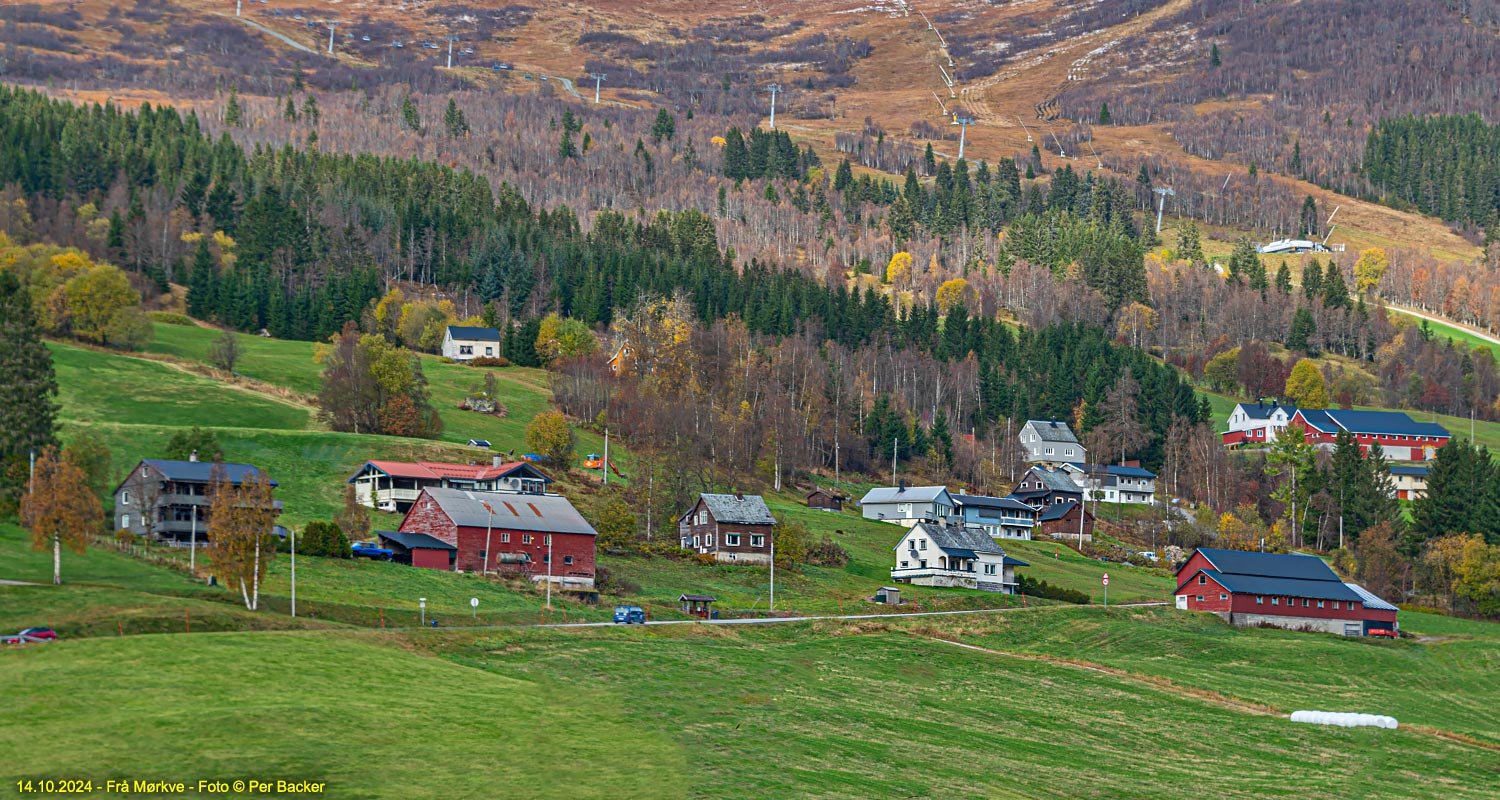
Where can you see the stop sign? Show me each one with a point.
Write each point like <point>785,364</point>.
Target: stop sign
<point>1106,579</point>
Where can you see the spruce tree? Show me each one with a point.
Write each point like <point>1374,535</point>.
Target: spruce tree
<point>1283,279</point>
<point>455,121</point>
<point>665,127</point>
<point>410,118</point>
<point>1213,54</point>
<point>1104,115</point>
<point>232,110</point>
<point>1303,327</point>
<point>28,389</point>
<point>1312,280</point>
<point>1335,290</point>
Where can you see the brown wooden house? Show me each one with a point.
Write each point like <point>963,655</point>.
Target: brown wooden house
<point>734,528</point>
<point>825,499</point>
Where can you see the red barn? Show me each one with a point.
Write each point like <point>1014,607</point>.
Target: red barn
<point>1400,437</point>
<point>1288,591</point>
<point>509,532</point>
<point>417,549</point>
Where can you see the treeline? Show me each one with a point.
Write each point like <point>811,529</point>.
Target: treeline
<point>1445,166</point>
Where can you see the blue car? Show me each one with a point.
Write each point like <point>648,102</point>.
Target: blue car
<point>630,615</point>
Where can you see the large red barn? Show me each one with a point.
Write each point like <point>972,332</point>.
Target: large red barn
<point>513,532</point>
<point>1289,591</point>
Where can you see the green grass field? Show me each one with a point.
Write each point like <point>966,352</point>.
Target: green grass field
<point>1442,330</point>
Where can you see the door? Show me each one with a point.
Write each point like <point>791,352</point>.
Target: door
<point>1182,602</point>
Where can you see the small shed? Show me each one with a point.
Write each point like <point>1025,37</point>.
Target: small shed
<point>418,549</point>
<point>698,605</point>
<point>890,595</point>
<point>484,443</point>
<point>825,499</point>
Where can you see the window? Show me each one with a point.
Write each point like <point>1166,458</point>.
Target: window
<point>1202,579</point>
<point>924,563</point>
<point>546,559</point>
<point>483,556</point>
<point>757,540</point>
<point>1049,451</point>
<point>125,498</point>
<point>1320,604</point>
<point>1275,601</point>
<point>708,541</point>
<point>1223,597</point>
<point>1260,601</point>
<point>504,538</point>
<point>466,350</point>
<point>547,539</point>
<point>1304,602</point>
<point>904,563</point>
<point>921,544</point>
<point>489,351</point>
<point>1200,598</point>
<point>125,521</point>
<point>567,560</point>
<point>525,538</point>
<point>695,541</point>
<point>703,517</point>
<point>732,540</point>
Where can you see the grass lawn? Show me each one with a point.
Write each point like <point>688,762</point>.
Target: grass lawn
<point>1441,330</point>
<point>368,718</point>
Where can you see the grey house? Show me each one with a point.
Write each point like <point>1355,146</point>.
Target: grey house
<point>168,500</point>
<point>907,505</point>
<point>1051,442</point>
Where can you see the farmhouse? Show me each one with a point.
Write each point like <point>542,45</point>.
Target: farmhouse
<point>1258,424</point>
<point>1288,591</point>
<point>1400,437</point>
<point>539,536</point>
<point>735,528</point>
<point>395,485</point>
<point>1061,521</point>
<point>1115,483</point>
<point>999,517</point>
<point>933,554</point>
<point>466,344</point>
<point>1410,482</point>
<point>825,500</point>
<point>168,500</point>
<point>1051,442</point>
<point>907,505</point>
<point>1040,487</point>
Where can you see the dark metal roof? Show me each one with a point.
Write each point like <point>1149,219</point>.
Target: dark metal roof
<point>1391,423</point>
<point>1414,471</point>
<point>1012,561</point>
<point>1116,469</point>
<point>1269,565</point>
<point>697,598</point>
<point>412,541</point>
<point>474,334</point>
<point>543,513</point>
<point>1265,410</point>
<point>957,541</point>
<point>200,471</point>
<point>1057,511</point>
<point>985,501</point>
<point>1050,430</point>
<point>1287,587</point>
<point>744,509</point>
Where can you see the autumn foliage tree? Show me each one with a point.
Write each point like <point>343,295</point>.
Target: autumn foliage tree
<point>549,435</point>
<point>239,533</point>
<point>59,509</point>
<point>1306,387</point>
<point>373,386</point>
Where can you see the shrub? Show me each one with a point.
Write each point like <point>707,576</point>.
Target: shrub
<point>497,361</point>
<point>124,536</point>
<point>1037,588</point>
<point>607,580</point>
<point>171,318</point>
<point>827,553</point>
<point>321,538</point>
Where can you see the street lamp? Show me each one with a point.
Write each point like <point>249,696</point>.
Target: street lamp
<point>422,603</point>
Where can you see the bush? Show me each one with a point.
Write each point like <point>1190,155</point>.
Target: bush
<point>606,580</point>
<point>170,318</point>
<point>1035,588</point>
<point>827,553</point>
<point>321,538</point>
<point>124,536</point>
<point>497,361</point>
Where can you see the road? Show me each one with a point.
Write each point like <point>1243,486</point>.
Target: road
<point>567,84</point>
<point>774,620</point>
<point>1472,331</point>
<point>263,29</point>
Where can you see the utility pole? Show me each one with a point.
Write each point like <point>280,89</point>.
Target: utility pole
<point>292,535</point>
<point>488,526</point>
<point>193,545</point>
<point>774,89</point>
<point>549,572</point>
<point>237,4</point>
<point>963,123</point>
<point>31,478</point>
<point>330,37</point>
<point>451,40</point>
<point>773,572</point>
<point>598,78</point>
<point>604,473</point>
<point>894,443</point>
<point>1161,206</point>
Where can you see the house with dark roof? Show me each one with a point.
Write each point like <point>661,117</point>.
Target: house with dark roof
<point>1285,590</point>
<point>1051,442</point>
<point>1409,482</point>
<point>907,505</point>
<point>1066,520</point>
<point>999,517</point>
<point>395,485</point>
<point>1258,423</point>
<point>934,554</point>
<point>168,500</point>
<point>1040,487</point>
<point>462,343</point>
<point>1114,483</point>
<point>825,499</point>
<point>541,537</point>
<point>733,528</point>
<point>418,549</point>
<point>1399,437</point>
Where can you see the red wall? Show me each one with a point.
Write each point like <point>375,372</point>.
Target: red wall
<point>429,558</point>
<point>1210,589</point>
<point>426,516</point>
<point>1245,604</point>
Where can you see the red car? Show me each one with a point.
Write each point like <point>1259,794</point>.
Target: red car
<point>30,635</point>
<point>1383,632</point>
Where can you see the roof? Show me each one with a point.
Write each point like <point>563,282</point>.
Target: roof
<point>1011,561</point>
<point>1265,410</point>
<point>1392,423</point>
<point>898,494</point>
<point>474,334</point>
<point>434,470</point>
<point>544,513</point>
<point>1116,469</point>
<point>201,471</point>
<point>1371,601</point>
<point>828,492</point>
<point>984,501</point>
<point>1052,431</point>
<point>1289,587</point>
<point>1057,510</point>
<point>962,542</point>
<point>479,442</point>
<point>1054,480</point>
<point>697,598</point>
<point>413,541</point>
<point>739,509</point>
<point>1270,565</point>
<point>1420,472</point>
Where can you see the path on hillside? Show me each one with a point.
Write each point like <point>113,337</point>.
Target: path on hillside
<point>1469,329</point>
<point>774,620</point>
<point>263,29</point>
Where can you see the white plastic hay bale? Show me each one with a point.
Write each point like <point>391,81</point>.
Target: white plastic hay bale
<point>1345,719</point>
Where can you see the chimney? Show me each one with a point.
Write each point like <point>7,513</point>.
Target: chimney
<point>496,461</point>
<point>901,485</point>
<point>740,496</point>
<point>193,456</point>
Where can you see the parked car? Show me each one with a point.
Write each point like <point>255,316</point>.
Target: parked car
<point>371,550</point>
<point>1387,632</point>
<point>31,636</point>
<point>630,615</point>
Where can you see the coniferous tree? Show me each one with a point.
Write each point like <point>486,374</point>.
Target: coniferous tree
<point>1335,290</point>
<point>1283,279</point>
<point>411,119</point>
<point>1303,327</point>
<point>1213,54</point>
<point>1312,280</point>
<point>232,110</point>
<point>454,120</point>
<point>1104,115</point>
<point>665,127</point>
<point>28,389</point>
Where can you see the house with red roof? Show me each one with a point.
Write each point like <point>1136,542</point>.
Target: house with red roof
<point>1291,591</point>
<point>395,485</point>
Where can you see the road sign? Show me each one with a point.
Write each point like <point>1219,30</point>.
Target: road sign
<point>474,601</point>
<point>1106,579</point>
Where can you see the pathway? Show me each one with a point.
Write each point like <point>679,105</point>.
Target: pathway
<point>774,620</point>
<point>1469,329</point>
<point>263,29</point>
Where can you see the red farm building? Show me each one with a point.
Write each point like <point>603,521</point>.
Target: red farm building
<point>1289,591</point>
<point>509,532</point>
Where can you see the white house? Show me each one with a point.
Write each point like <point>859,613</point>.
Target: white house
<point>999,517</point>
<point>907,505</point>
<point>1051,442</point>
<point>1254,424</point>
<point>464,344</point>
<point>931,554</point>
<point>1114,483</point>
